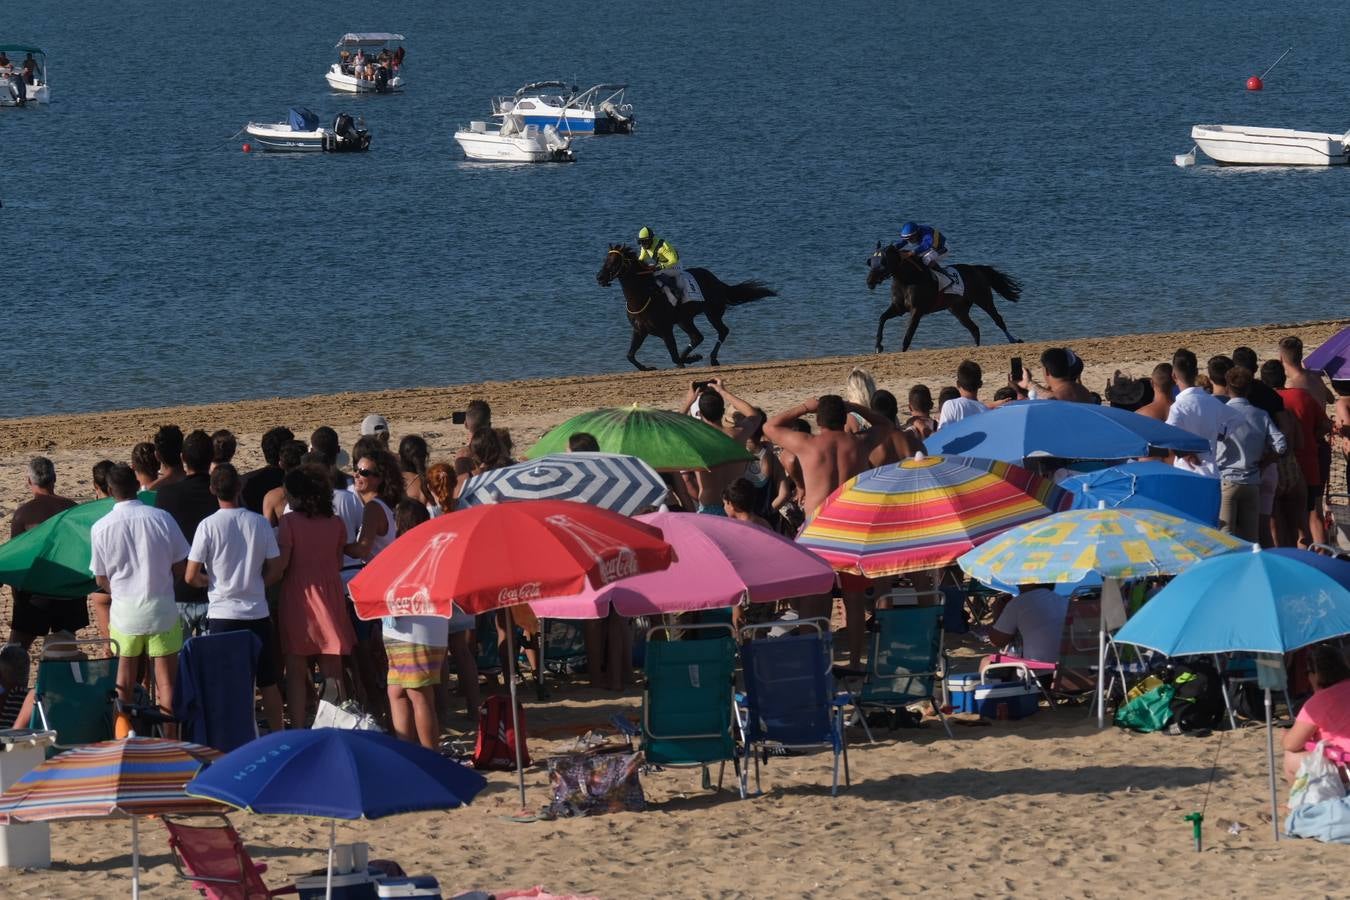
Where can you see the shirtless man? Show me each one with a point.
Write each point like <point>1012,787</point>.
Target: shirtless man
<point>1161,404</point>
<point>476,415</point>
<point>828,459</point>
<point>1060,365</point>
<point>902,443</point>
<point>711,399</point>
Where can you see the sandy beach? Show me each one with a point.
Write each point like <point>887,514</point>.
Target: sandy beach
<point>1046,806</point>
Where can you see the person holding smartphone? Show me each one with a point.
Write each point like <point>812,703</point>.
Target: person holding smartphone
<point>707,401</point>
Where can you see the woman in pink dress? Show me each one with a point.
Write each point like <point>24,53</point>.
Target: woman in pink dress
<point>312,611</point>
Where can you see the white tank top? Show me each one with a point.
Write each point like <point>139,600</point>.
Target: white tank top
<point>383,540</point>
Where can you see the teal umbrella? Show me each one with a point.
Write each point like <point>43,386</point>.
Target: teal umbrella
<point>663,439</point>
<point>53,558</point>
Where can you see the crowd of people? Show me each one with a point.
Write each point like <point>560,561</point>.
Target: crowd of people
<point>270,551</point>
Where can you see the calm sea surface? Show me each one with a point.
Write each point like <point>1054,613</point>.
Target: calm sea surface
<point>149,261</point>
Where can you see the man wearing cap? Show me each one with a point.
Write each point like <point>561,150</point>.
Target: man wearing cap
<point>376,425</point>
<point>662,254</point>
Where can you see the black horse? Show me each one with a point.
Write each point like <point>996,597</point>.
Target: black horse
<point>650,312</point>
<point>914,290</point>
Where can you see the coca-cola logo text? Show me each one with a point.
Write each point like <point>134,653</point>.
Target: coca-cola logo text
<point>622,565</point>
<point>522,594</point>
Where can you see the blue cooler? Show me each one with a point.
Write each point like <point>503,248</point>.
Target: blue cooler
<point>1007,699</point>
<point>961,691</point>
<point>423,886</point>
<point>352,886</point>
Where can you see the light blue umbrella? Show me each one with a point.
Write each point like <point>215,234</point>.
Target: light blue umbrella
<point>1148,485</point>
<point>1056,428</point>
<point>1266,601</point>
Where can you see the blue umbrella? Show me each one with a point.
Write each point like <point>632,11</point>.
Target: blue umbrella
<point>1148,485</point>
<point>1266,601</point>
<point>1030,428</point>
<point>336,774</point>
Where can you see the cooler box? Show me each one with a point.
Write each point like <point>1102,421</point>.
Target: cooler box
<point>1014,699</point>
<point>961,691</point>
<point>353,886</point>
<point>424,886</point>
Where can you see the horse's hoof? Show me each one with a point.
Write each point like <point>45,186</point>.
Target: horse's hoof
<point>714,362</point>
<point>691,357</point>
<point>879,350</point>
<point>1016,341</point>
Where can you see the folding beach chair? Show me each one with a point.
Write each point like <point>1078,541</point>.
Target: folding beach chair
<point>688,713</point>
<point>74,698</point>
<point>1338,525</point>
<point>902,663</point>
<point>214,698</point>
<point>789,698</point>
<point>214,859</point>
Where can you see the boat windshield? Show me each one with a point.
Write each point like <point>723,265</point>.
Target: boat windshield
<point>355,39</point>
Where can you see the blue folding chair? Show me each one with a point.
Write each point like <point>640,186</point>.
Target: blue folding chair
<point>688,712</point>
<point>789,698</point>
<point>903,663</point>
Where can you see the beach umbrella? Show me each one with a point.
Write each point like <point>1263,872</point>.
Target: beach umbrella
<point>501,554</point>
<point>719,562</point>
<point>135,776</point>
<point>1332,357</point>
<point>1268,602</point>
<point>665,440</point>
<point>924,512</point>
<point>1148,485</point>
<point>613,481</point>
<point>1115,544</point>
<point>53,558</point>
<point>1056,428</point>
<point>336,774</point>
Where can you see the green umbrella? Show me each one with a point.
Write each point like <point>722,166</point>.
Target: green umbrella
<point>53,558</point>
<point>662,439</point>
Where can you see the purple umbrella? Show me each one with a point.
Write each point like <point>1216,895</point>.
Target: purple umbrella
<point>1332,358</point>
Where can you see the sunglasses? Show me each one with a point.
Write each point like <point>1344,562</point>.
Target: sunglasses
<point>367,473</point>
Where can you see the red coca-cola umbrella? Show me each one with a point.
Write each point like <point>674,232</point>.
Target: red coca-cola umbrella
<point>502,554</point>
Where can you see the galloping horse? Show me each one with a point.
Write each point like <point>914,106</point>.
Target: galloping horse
<point>914,290</point>
<point>650,312</point>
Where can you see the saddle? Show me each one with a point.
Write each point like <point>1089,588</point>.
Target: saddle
<point>949,281</point>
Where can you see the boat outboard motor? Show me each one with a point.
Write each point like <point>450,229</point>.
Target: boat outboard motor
<point>382,80</point>
<point>347,136</point>
<point>18,91</point>
<point>620,117</point>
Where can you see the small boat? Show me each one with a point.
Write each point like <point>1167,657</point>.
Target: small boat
<point>597,110</point>
<point>1241,145</point>
<point>514,141</point>
<point>15,89</point>
<point>301,133</point>
<point>368,62</point>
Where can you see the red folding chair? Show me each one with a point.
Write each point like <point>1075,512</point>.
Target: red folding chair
<point>213,858</point>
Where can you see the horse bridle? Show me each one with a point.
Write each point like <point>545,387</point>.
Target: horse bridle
<point>625,263</point>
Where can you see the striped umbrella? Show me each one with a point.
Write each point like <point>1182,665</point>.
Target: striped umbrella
<point>132,777</point>
<point>923,513</point>
<point>622,484</point>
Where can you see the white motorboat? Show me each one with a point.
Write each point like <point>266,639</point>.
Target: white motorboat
<point>599,109</point>
<point>368,62</point>
<point>301,133</point>
<point>17,88</point>
<point>1241,145</point>
<point>513,141</point>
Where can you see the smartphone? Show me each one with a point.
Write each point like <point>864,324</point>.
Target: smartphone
<point>1016,372</point>
<point>701,385</point>
<point>457,417</point>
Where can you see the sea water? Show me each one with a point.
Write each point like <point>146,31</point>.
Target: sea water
<point>149,261</point>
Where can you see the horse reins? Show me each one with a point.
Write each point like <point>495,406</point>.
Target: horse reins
<point>625,262</point>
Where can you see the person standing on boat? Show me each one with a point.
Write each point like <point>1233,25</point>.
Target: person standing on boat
<point>662,254</point>
<point>929,244</point>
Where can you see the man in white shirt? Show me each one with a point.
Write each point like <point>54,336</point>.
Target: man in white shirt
<point>235,556</point>
<point>137,552</point>
<point>969,379</point>
<point>1199,413</point>
<point>1036,618</point>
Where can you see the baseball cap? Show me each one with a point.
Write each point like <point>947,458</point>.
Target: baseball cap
<point>374,424</point>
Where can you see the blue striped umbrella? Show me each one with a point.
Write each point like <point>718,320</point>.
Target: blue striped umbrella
<point>621,484</point>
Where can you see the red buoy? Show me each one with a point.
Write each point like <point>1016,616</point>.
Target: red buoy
<point>1255,83</point>
<point>248,148</point>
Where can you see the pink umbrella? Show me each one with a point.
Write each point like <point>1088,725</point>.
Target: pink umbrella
<point>718,561</point>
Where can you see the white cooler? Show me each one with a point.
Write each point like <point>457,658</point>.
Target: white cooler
<point>24,846</point>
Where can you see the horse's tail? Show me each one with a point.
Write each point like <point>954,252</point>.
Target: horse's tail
<point>747,292</point>
<point>1006,286</point>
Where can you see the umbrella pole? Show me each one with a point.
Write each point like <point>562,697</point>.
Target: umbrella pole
<point>135,861</point>
<point>515,709</point>
<point>1270,760</point>
<point>332,845</point>
<point>1101,674</point>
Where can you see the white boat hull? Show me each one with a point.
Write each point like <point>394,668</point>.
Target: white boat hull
<point>279,136</point>
<point>1238,145</point>
<point>340,81</point>
<point>492,147</point>
<point>39,93</point>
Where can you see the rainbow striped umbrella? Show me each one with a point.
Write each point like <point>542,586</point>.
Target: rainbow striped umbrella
<point>132,777</point>
<point>923,513</point>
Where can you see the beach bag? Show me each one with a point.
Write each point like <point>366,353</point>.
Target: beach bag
<point>495,747</point>
<point>595,782</point>
<point>346,715</point>
<point>1150,711</point>
<point>1317,780</point>
<point>1198,703</point>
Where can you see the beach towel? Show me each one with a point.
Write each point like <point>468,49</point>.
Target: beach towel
<point>1328,821</point>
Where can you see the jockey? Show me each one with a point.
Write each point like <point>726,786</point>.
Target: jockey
<point>929,244</point>
<point>663,255</point>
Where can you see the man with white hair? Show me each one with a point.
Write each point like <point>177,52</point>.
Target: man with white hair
<point>36,615</point>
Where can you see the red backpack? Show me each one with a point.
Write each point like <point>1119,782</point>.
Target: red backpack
<point>495,747</point>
